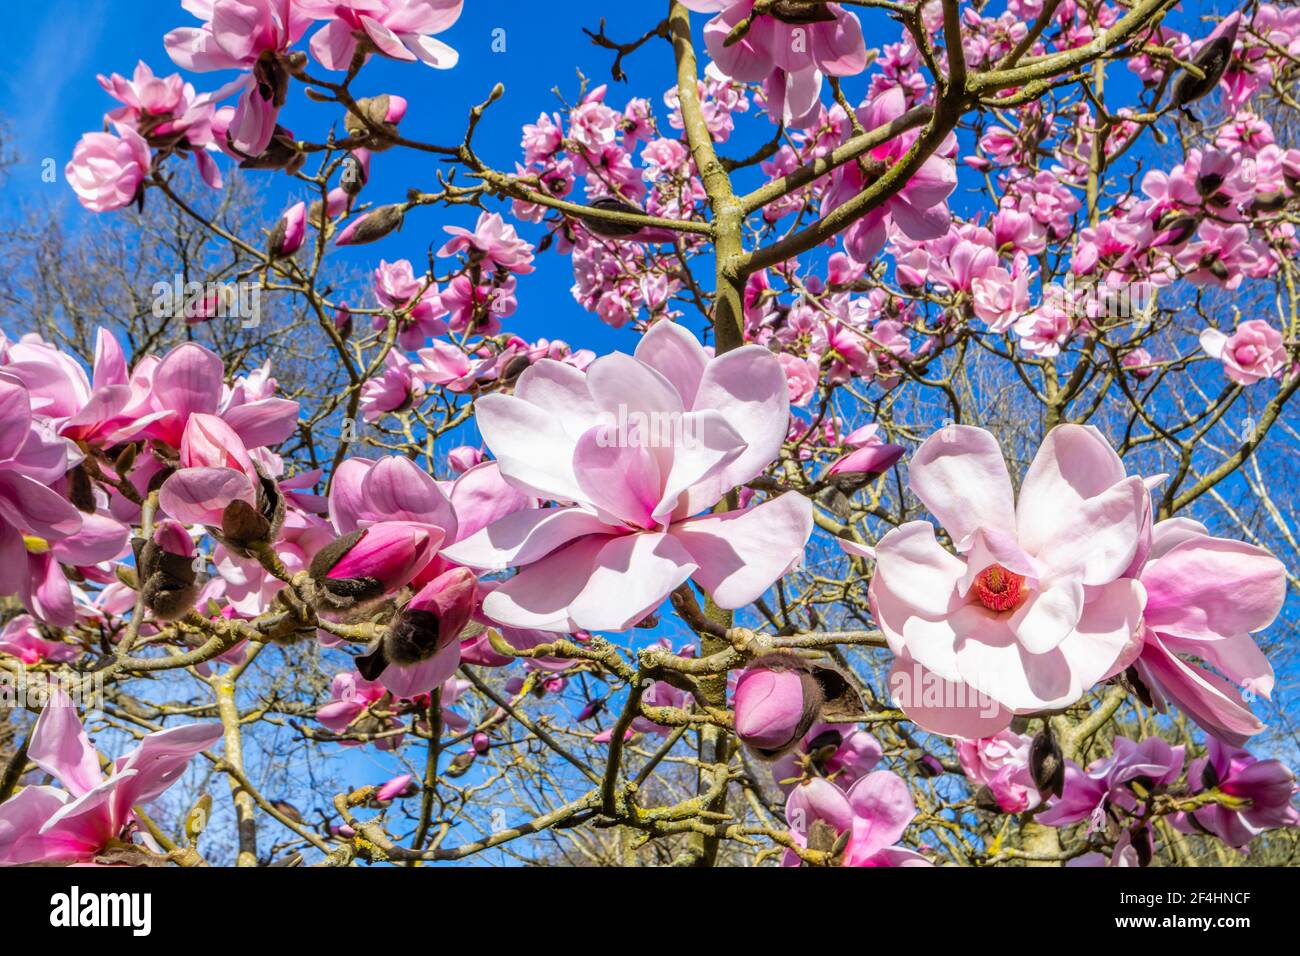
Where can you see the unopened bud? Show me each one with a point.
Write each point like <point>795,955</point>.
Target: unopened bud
<point>165,568</point>
<point>1046,764</point>
<point>371,227</point>
<point>196,820</point>
<point>1211,59</point>
<point>777,699</point>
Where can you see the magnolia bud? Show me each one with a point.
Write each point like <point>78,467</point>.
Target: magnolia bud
<point>777,699</point>
<point>1046,764</point>
<point>1212,59</point>
<point>608,228</point>
<point>867,462</point>
<point>1209,776</point>
<point>281,152</point>
<point>986,801</point>
<point>481,743</point>
<point>432,621</point>
<point>81,491</point>
<point>370,562</point>
<point>354,173</point>
<point>165,568</point>
<point>798,13</point>
<point>241,524</point>
<point>286,238</point>
<point>460,764</point>
<point>343,321</point>
<point>197,819</point>
<point>371,227</point>
<point>929,766</point>
<point>378,119</point>
<point>1269,202</point>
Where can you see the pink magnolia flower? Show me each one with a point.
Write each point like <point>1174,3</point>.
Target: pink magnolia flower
<point>365,493</point>
<point>189,380</point>
<point>1206,596</point>
<point>1089,793</point>
<point>790,54</point>
<point>44,824</point>
<point>397,288</point>
<point>351,695</point>
<point>871,456</point>
<point>772,706</point>
<point>250,35</point>
<point>290,231</point>
<point>638,445</point>
<point>1138,363</point>
<point>22,639</point>
<point>34,518</point>
<point>1033,609</point>
<point>168,113</point>
<point>443,364</point>
<point>1044,330</point>
<point>388,555</point>
<point>107,170</point>
<point>1001,763</point>
<point>393,389</point>
<point>919,209</point>
<point>1253,353</point>
<point>101,411</point>
<point>1264,787</point>
<point>215,469</point>
<point>801,377</point>
<point>845,753</point>
<point>464,457</point>
<point>874,812</point>
<point>400,29</point>
<point>494,242</point>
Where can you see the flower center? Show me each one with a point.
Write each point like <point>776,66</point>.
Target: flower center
<point>998,588</point>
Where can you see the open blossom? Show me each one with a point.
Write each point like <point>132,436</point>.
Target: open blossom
<point>400,29</point>
<point>1089,793</point>
<point>1001,763</point>
<point>108,169</point>
<point>33,517</point>
<point>1253,353</point>
<point>21,638</point>
<point>168,113</point>
<point>790,51</point>
<point>398,288</point>
<point>393,389</point>
<point>919,209</point>
<point>215,469</point>
<point>189,380</point>
<point>1033,609</point>
<point>45,824</point>
<point>874,812</point>
<point>351,695</point>
<point>494,242</point>
<point>248,35</point>
<point>801,377</point>
<point>1263,791</point>
<point>843,752</point>
<point>1206,596</point>
<point>692,427</point>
